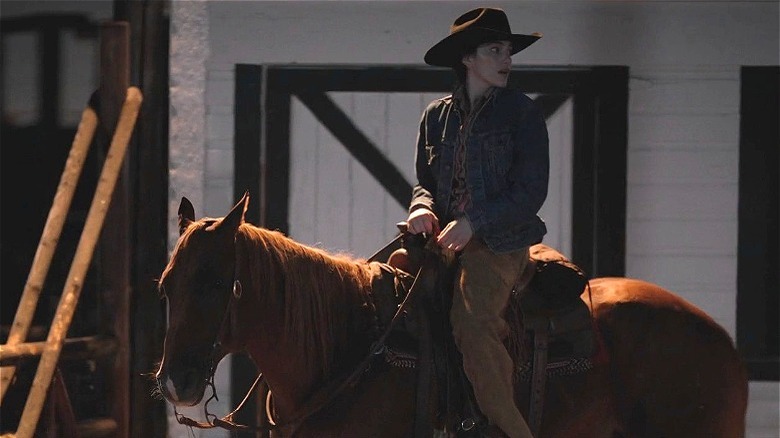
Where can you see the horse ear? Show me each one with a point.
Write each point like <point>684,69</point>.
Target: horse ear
<point>236,215</point>
<point>186,214</point>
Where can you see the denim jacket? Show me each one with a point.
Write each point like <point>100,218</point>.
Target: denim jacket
<point>507,167</point>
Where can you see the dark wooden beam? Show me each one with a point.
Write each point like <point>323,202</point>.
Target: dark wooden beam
<point>148,206</point>
<point>116,248</point>
<point>758,247</point>
<point>583,181</point>
<point>247,129</point>
<point>551,103</point>
<point>609,168</point>
<point>276,203</point>
<point>249,122</point>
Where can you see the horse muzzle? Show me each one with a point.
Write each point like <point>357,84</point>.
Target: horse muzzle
<point>183,387</point>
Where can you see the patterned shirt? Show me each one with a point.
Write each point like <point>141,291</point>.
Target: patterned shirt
<point>460,195</point>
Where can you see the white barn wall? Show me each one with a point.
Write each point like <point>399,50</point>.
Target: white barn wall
<point>684,60</point>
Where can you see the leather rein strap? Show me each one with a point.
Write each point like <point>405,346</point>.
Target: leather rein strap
<point>320,399</point>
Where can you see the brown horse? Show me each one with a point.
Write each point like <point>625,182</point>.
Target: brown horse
<point>305,317</point>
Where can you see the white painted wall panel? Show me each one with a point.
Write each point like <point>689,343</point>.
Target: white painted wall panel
<point>304,139</point>
<point>333,208</point>
<point>689,91</point>
<point>692,130</point>
<point>681,202</point>
<point>556,210</point>
<point>368,233</point>
<point>404,112</point>
<point>700,166</point>
<point>683,237</point>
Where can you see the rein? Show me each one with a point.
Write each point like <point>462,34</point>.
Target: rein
<point>315,403</point>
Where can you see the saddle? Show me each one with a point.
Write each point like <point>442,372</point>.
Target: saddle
<point>551,332</point>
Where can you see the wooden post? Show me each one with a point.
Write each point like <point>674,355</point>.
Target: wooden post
<point>114,251</point>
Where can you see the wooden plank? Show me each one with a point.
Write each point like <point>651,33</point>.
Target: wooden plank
<point>678,237</point>
<point>556,210</point>
<point>758,267</point>
<point>684,131</point>
<point>313,78</point>
<point>114,72</point>
<point>88,347</point>
<point>550,103</point>
<point>674,166</point>
<point>148,228</point>
<point>609,167</point>
<point>367,235</point>
<point>583,155</point>
<point>403,118</point>
<point>334,189</point>
<point>248,126</point>
<point>115,251</point>
<point>304,179</point>
<point>275,183</point>
<point>682,201</point>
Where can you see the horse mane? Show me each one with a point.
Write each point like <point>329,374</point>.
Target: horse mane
<point>319,291</point>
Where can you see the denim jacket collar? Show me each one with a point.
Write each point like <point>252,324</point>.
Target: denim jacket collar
<point>463,103</point>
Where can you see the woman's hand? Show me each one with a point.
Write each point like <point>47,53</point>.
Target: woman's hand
<point>423,220</point>
<point>456,235</point>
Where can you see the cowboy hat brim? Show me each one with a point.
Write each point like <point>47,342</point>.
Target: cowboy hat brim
<point>449,51</point>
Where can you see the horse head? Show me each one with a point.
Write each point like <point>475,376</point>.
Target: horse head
<point>198,285</point>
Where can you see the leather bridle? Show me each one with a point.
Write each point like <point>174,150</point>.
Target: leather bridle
<point>314,404</point>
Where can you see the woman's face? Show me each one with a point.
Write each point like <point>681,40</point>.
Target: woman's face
<point>489,65</point>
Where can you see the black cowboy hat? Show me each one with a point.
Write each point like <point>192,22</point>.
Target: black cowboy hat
<point>473,28</point>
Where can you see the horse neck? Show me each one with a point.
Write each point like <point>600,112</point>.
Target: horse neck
<point>317,312</point>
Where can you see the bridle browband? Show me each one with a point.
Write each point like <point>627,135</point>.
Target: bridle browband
<point>316,402</point>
